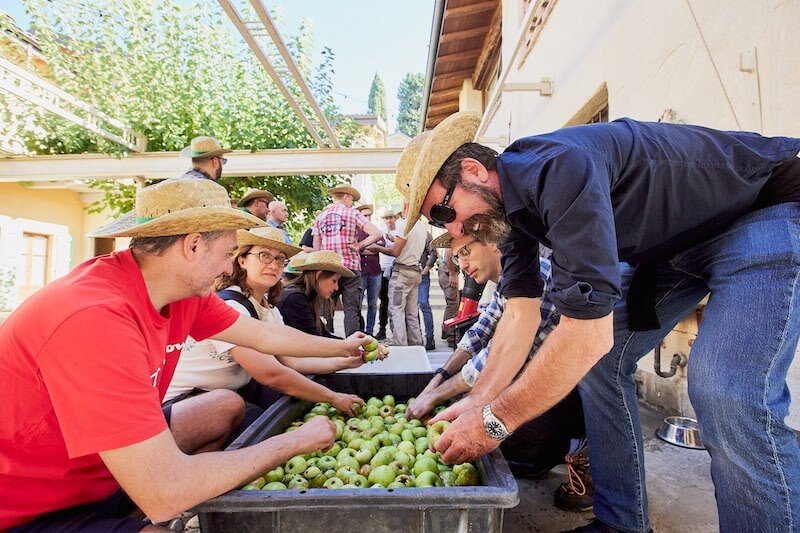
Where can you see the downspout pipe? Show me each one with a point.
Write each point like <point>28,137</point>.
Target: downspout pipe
<point>433,53</point>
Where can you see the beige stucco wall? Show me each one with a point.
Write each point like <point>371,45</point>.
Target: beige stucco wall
<point>655,56</point>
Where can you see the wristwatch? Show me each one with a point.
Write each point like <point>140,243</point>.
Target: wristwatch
<point>444,373</point>
<point>492,425</point>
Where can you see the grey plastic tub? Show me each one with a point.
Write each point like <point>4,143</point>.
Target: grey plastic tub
<point>444,509</point>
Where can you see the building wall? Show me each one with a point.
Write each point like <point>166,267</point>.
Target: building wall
<point>728,65</point>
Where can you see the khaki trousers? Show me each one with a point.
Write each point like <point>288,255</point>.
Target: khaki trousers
<point>404,305</point>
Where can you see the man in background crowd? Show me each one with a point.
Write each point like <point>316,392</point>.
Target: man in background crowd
<point>207,161</point>
<point>256,202</point>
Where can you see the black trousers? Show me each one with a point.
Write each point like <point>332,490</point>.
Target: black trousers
<point>383,308</point>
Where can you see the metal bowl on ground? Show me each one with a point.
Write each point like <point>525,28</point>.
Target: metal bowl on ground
<point>681,431</point>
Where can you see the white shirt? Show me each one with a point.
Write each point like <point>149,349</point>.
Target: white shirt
<point>208,364</point>
<point>387,260</point>
<point>415,243</point>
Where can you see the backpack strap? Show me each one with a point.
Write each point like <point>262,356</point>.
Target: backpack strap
<point>240,298</point>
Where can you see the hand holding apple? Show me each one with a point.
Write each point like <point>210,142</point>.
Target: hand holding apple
<point>318,433</point>
<point>345,403</point>
<point>353,345</point>
<point>465,440</point>
<point>423,405</point>
<point>469,402</point>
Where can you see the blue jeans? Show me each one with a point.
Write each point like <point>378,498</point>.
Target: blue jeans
<point>372,287</point>
<point>737,377</point>
<point>425,306</point>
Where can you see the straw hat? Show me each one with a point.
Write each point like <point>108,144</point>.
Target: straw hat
<point>252,194</point>
<point>457,129</point>
<point>178,207</point>
<point>266,236</point>
<point>325,260</point>
<point>405,167</point>
<point>203,148</point>
<point>296,261</point>
<point>346,188</point>
<point>442,241</point>
<point>366,206</point>
<point>388,211</point>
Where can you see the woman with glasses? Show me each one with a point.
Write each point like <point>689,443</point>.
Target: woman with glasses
<point>260,378</point>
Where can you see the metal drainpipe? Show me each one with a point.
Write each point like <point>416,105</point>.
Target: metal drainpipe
<point>433,52</point>
<point>679,359</point>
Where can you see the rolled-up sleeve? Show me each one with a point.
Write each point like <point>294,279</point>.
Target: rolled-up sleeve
<point>575,204</point>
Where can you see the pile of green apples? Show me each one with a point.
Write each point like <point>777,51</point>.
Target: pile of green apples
<point>379,448</point>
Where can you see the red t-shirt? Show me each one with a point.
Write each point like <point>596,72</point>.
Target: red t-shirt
<point>84,364</point>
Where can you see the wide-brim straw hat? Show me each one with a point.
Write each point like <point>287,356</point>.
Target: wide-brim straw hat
<point>296,261</point>
<point>179,207</point>
<point>457,129</point>
<point>442,241</point>
<point>266,236</point>
<point>366,206</point>
<point>408,159</point>
<point>388,211</point>
<point>252,194</point>
<point>346,188</point>
<point>325,260</point>
<point>203,148</point>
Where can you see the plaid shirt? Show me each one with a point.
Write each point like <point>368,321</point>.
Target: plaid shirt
<point>338,227</point>
<point>477,340</point>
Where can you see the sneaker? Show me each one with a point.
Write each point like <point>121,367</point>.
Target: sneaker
<point>577,493</point>
<point>430,344</point>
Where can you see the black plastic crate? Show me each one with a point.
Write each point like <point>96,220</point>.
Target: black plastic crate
<point>463,509</point>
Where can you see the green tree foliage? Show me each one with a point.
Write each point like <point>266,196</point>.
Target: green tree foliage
<point>174,71</point>
<point>409,94</point>
<point>385,192</point>
<point>377,98</point>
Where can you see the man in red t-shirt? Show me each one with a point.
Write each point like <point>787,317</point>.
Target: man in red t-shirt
<point>85,363</point>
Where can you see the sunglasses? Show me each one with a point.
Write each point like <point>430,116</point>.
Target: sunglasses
<point>223,160</point>
<point>442,213</point>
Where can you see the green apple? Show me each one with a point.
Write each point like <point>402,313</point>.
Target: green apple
<point>375,401</point>
<point>387,410</point>
<point>326,462</point>
<point>369,357</point>
<point>388,400</point>
<point>395,485</point>
<point>376,421</point>
<point>359,481</point>
<point>372,410</point>
<point>404,458</point>
<point>334,450</point>
<point>414,422</point>
<point>405,480</point>
<point>319,410</point>
<point>397,428</point>
<point>435,431</point>
<point>364,456</point>
<point>346,452</point>
<point>274,485</point>
<point>419,431</point>
<point>448,478</point>
<point>312,472</point>
<point>427,479</point>
<point>345,473</point>
<point>372,345</point>
<point>407,447</point>
<point>383,457</point>
<point>370,446</point>
<point>355,443</point>
<point>383,475</point>
<point>400,408</point>
<point>296,465</point>
<point>298,482</point>
<point>339,428</point>
<point>394,439</point>
<point>466,475</point>
<point>408,435</point>
<point>365,469</point>
<point>333,483</point>
<point>421,444</point>
<point>347,461</point>
<point>275,474</point>
<point>364,424</point>
<point>312,461</point>
<point>400,467</point>
<point>369,433</point>
<point>250,486</point>
<point>425,464</point>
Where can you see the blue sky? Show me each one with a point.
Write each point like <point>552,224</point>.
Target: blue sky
<point>389,37</point>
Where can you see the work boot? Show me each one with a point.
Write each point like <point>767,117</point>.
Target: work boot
<point>576,494</point>
<point>594,526</point>
<point>430,344</point>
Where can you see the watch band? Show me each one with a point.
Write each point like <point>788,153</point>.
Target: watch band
<point>444,373</point>
<point>493,426</point>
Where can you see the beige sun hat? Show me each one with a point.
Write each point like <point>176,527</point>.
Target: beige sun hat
<point>266,236</point>
<point>177,207</point>
<point>388,211</point>
<point>457,129</point>
<point>203,148</point>
<point>296,261</point>
<point>405,167</point>
<point>346,188</point>
<point>366,206</point>
<point>252,194</point>
<point>442,241</point>
<point>325,260</point>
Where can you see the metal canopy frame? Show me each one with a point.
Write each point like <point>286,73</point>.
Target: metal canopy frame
<point>250,31</point>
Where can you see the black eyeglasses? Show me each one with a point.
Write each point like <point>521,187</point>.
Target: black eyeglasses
<point>223,160</point>
<point>267,259</point>
<point>442,213</point>
<point>462,253</point>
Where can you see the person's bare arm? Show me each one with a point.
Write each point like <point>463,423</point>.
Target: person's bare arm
<point>426,401</point>
<point>394,251</point>
<point>269,371</point>
<point>570,351</point>
<point>283,340</point>
<point>373,235</point>
<point>163,481</point>
<point>317,243</point>
<point>453,364</point>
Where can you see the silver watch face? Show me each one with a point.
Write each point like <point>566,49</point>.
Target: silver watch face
<point>494,429</point>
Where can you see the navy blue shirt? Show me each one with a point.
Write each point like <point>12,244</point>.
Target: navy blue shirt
<point>622,191</point>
